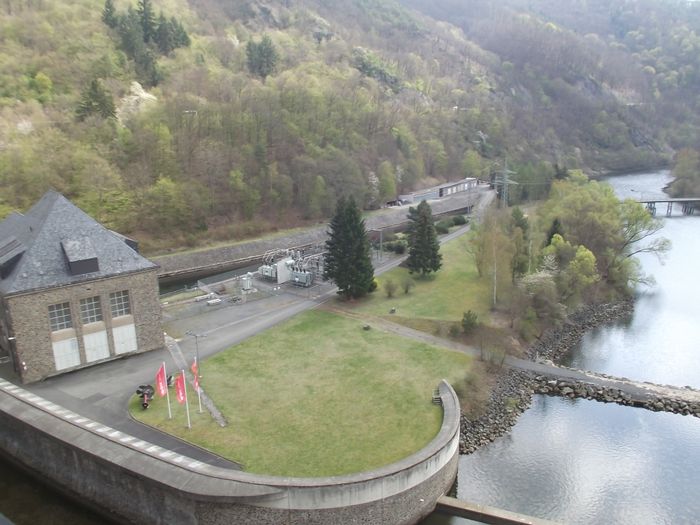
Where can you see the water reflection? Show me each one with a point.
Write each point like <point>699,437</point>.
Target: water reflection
<point>578,461</point>
<point>660,343</point>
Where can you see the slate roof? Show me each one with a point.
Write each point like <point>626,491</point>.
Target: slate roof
<point>37,237</point>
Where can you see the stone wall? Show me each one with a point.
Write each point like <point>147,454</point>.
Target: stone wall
<point>29,319</point>
<point>144,483</point>
<point>584,390</point>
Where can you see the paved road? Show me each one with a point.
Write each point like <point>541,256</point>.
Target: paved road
<point>102,393</point>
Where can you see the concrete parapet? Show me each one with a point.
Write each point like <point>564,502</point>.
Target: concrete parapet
<point>145,483</point>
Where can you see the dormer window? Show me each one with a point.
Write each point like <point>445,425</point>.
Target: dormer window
<point>80,255</point>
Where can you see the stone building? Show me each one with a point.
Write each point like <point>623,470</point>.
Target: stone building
<point>72,293</point>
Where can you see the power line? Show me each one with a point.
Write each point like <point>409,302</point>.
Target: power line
<point>503,180</point>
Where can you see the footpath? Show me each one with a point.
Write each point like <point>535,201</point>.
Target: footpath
<point>554,379</point>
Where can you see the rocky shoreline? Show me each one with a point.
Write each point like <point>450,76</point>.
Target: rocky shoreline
<point>578,389</point>
<point>513,393</point>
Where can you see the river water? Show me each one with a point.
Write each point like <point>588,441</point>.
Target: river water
<point>572,461</point>
<point>578,461</point>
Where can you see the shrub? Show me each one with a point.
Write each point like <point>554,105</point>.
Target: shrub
<point>373,286</point>
<point>390,288</point>
<point>469,321</point>
<point>407,283</point>
<point>459,220</point>
<point>441,228</point>
<point>398,247</point>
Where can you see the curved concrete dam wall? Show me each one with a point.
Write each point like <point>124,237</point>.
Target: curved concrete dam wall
<point>145,483</point>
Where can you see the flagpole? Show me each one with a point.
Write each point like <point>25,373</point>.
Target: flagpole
<point>187,404</point>
<point>196,384</point>
<point>167,391</point>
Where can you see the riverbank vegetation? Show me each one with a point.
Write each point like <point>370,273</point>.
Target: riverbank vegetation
<point>578,248</point>
<point>521,274</point>
<point>317,396</point>
<point>686,174</point>
<point>250,115</point>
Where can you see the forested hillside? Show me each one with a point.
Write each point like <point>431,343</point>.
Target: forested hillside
<point>255,115</point>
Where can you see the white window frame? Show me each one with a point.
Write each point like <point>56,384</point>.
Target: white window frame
<point>90,310</point>
<point>60,316</point>
<point>120,303</point>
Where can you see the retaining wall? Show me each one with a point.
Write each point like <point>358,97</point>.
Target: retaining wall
<point>144,483</point>
<point>199,263</point>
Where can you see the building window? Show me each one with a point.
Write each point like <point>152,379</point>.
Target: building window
<point>90,310</point>
<point>59,316</point>
<point>119,302</point>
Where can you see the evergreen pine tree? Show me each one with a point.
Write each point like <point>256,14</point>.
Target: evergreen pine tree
<point>131,33</point>
<point>109,14</point>
<point>262,57</point>
<point>423,246</point>
<point>148,20</point>
<point>95,100</point>
<point>182,39</point>
<point>347,260</point>
<point>133,43</point>
<point>555,229</point>
<point>251,53</point>
<point>165,35</point>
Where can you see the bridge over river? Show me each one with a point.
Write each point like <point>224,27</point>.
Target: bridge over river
<point>687,205</point>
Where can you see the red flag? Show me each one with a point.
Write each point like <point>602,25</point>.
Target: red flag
<point>180,388</point>
<point>161,381</point>
<point>194,367</point>
<point>196,383</point>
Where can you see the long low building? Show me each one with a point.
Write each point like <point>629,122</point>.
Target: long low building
<point>72,292</point>
<point>438,192</point>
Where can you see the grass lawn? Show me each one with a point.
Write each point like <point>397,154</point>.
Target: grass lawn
<point>444,296</point>
<point>318,396</point>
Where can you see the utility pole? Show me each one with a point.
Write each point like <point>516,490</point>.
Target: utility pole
<point>495,269</point>
<point>503,181</point>
<point>196,347</point>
